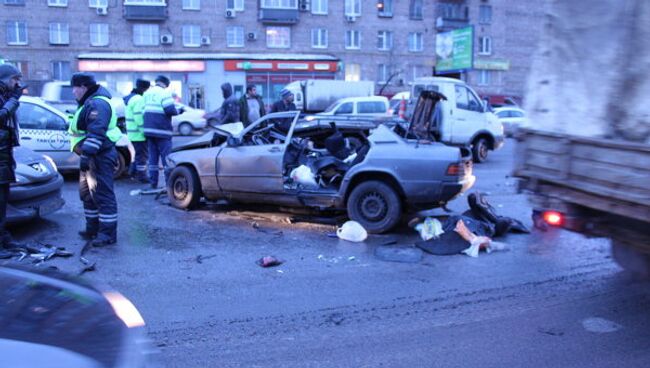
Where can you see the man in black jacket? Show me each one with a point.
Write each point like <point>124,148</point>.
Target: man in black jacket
<point>251,106</point>
<point>285,104</point>
<point>229,112</point>
<point>10,92</point>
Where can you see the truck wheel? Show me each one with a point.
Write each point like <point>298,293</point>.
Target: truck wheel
<point>631,259</point>
<point>184,188</point>
<point>185,129</point>
<point>480,149</point>
<point>120,166</point>
<point>375,205</point>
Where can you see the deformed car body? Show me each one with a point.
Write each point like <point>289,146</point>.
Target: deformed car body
<point>378,177</point>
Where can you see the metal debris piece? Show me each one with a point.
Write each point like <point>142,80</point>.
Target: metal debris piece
<point>269,261</point>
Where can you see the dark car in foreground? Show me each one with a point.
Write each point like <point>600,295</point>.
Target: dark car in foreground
<point>37,190</point>
<point>368,171</point>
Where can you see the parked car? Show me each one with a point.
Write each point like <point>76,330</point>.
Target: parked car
<point>44,129</point>
<point>190,120</point>
<point>359,106</point>
<point>373,174</point>
<point>37,190</point>
<point>511,117</point>
<point>50,319</point>
<point>315,95</point>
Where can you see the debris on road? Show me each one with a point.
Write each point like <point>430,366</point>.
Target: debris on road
<point>352,231</point>
<point>269,261</point>
<point>88,266</point>
<point>38,253</point>
<point>257,227</point>
<point>399,254</point>
<point>429,229</point>
<point>200,258</point>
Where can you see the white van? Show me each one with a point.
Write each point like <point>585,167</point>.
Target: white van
<point>465,119</point>
<point>373,106</point>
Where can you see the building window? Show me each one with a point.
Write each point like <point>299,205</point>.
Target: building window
<point>485,14</point>
<point>98,34</point>
<point>417,71</point>
<point>57,3</point>
<point>280,4</point>
<point>191,4</point>
<point>319,7</point>
<point>415,10</point>
<point>59,34</point>
<point>415,42</point>
<point>16,33</point>
<point>353,8</point>
<point>146,35</point>
<point>61,70</point>
<point>319,38</point>
<point>352,72</point>
<point>383,73</point>
<point>485,45</point>
<point>98,3</point>
<point>278,37</point>
<point>236,5</point>
<point>352,40</point>
<point>23,66</point>
<point>235,36</point>
<point>453,11</point>
<point>384,40</point>
<point>385,8</point>
<point>484,77</point>
<point>145,2</point>
<point>14,2</point>
<point>191,36</point>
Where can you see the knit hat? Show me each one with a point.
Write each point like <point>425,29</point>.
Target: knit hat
<point>142,84</point>
<point>82,80</point>
<point>8,71</point>
<point>285,93</point>
<point>163,79</point>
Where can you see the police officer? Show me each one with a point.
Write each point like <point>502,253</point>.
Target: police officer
<point>93,133</point>
<point>10,92</point>
<point>135,129</point>
<point>158,111</point>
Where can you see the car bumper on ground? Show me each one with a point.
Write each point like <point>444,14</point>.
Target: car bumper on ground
<point>27,202</point>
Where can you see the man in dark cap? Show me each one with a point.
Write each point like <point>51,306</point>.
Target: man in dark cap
<point>135,129</point>
<point>251,106</point>
<point>10,92</point>
<point>93,133</point>
<point>284,104</point>
<point>158,111</point>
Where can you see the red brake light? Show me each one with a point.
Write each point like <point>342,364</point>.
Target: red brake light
<point>453,169</point>
<point>553,218</point>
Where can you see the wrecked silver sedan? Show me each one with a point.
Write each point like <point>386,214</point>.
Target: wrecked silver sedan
<point>368,171</point>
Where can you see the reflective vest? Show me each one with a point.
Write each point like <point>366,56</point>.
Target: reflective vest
<point>76,135</point>
<point>135,119</point>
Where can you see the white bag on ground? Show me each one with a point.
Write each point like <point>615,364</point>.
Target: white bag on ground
<point>430,229</point>
<point>352,231</point>
<point>303,175</point>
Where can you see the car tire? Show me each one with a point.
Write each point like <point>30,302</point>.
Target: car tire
<point>375,205</point>
<point>480,149</point>
<point>184,188</point>
<point>120,166</point>
<point>185,129</point>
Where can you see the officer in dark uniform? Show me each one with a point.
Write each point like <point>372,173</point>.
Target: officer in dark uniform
<point>10,92</point>
<point>93,133</point>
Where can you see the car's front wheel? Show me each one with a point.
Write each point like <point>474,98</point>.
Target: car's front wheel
<point>184,188</point>
<point>480,149</point>
<point>375,205</point>
<point>120,166</point>
<point>185,129</point>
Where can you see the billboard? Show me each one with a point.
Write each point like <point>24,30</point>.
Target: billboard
<point>455,50</point>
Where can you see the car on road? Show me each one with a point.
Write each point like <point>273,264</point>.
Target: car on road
<point>511,117</point>
<point>359,106</point>
<point>37,190</point>
<point>368,171</point>
<point>189,121</point>
<point>44,129</point>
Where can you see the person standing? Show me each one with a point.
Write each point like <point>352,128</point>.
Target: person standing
<point>284,104</point>
<point>135,129</point>
<point>10,92</point>
<point>158,111</point>
<point>251,106</point>
<point>93,133</point>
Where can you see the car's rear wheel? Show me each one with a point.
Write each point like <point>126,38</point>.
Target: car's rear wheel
<point>185,129</point>
<point>184,188</point>
<point>375,205</point>
<point>120,166</point>
<point>480,149</point>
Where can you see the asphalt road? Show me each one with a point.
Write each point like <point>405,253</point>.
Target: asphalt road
<point>554,299</point>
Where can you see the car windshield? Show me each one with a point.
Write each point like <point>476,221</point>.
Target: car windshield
<point>331,107</point>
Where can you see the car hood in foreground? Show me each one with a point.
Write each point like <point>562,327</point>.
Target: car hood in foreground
<point>32,166</point>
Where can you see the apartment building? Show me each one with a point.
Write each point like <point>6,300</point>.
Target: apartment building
<point>203,43</point>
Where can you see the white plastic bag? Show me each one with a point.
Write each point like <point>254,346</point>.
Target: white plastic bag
<point>352,231</point>
<point>303,175</point>
<point>430,229</point>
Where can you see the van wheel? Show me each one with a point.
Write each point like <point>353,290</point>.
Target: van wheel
<point>375,205</point>
<point>185,129</point>
<point>184,188</point>
<point>120,166</point>
<point>480,149</point>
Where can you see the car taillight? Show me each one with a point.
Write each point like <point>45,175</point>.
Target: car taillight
<point>553,218</point>
<point>454,169</point>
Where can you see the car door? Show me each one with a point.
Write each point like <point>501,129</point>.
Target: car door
<point>254,165</point>
<point>346,108</point>
<point>44,130</point>
<point>468,117</point>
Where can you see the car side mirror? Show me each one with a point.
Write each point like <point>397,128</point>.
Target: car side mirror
<point>233,141</point>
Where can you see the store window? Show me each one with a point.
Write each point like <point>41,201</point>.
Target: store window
<point>384,40</point>
<point>16,33</point>
<point>319,7</point>
<point>278,37</point>
<point>98,34</point>
<point>352,40</point>
<point>352,8</point>
<point>352,72</point>
<point>235,36</point>
<point>191,4</point>
<point>146,35</point>
<point>415,42</point>
<point>61,70</point>
<point>59,34</point>
<point>485,45</point>
<point>319,38</point>
<point>191,36</point>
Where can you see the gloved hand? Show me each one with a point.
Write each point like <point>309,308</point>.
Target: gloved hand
<point>84,163</point>
<point>180,110</point>
<point>10,106</point>
<point>17,92</point>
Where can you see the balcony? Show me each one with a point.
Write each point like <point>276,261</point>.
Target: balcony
<point>139,11</point>
<point>452,15</point>
<point>278,16</point>
<point>448,24</point>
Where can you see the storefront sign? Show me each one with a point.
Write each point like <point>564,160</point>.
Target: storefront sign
<point>455,50</point>
<point>141,66</point>
<point>492,64</point>
<point>277,65</point>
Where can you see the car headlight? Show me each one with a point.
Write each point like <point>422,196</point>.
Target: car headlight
<point>51,162</point>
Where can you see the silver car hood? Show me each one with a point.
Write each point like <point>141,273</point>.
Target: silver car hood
<point>32,166</point>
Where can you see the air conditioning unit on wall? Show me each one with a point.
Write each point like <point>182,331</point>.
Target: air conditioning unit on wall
<point>205,40</point>
<point>231,13</point>
<point>102,11</point>
<point>166,39</point>
<point>303,5</point>
<point>251,36</point>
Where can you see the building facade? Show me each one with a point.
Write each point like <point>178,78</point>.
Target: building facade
<point>203,43</point>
